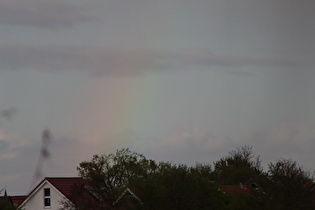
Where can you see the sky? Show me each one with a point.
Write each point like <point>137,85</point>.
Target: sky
<point>180,81</point>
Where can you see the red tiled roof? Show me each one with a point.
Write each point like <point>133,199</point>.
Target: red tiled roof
<point>233,189</point>
<point>308,184</point>
<point>18,199</point>
<point>65,184</point>
<point>75,189</point>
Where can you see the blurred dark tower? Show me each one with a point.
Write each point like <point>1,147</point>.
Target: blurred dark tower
<point>44,155</point>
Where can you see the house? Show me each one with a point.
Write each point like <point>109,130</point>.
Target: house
<point>251,185</point>
<point>52,192</point>
<point>127,199</point>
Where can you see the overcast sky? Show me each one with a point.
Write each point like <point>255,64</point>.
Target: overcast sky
<point>181,81</point>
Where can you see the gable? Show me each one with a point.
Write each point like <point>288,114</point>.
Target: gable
<point>73,189</point>
<point>44,195</point>
<point>128,193</point>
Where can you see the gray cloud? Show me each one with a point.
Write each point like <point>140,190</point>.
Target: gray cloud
<point>284,140</point>
<point>19,157</point>
<point>10,143</point>
<point>187,146</point>
<point>42,14</point>
<point>120,61</point>
<point>7,113</point>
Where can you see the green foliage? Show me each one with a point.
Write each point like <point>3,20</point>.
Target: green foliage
<point>110,174</point>
<point>237,167</point>
<point>287,189</point>
<point>166,186</point>
<point>6,203</point>
<point>159,186</point>
<point>7,206</point>
<point>180,187</point>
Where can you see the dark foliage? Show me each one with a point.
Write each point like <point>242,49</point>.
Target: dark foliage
<point>166,186</point>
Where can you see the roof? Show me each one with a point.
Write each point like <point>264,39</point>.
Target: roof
<point>75,189</point>
<point>65,184</point>
<point>131,192</point>
<point>62,184</point>
<point>308,184</point>
<point>18,199</point>
<point>234,189</point>
<point>309,189</point>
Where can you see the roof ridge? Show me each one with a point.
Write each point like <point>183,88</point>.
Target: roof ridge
<point>18,195</point>
<point>63,177</point>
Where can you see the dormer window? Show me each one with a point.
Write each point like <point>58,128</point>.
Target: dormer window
<point>47,200</point>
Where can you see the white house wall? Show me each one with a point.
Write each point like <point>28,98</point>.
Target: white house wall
<point>36,202</point>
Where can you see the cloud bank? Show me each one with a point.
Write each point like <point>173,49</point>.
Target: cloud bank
<point>42,14</point>
<point>120,61</point>
<point>281,140</point>
<point>188,146</point>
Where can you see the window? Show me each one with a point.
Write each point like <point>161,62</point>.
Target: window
<point>47,200</point>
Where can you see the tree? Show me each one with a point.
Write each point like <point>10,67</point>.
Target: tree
<point>287,185</point>
<point>109,175</point>
<point>6,202</point>
<point>180,187</point>
<point>242,168</point>
<point>166,186</point>
<point>237,167</point>
<point>159,186</point>
<point>4,205</point>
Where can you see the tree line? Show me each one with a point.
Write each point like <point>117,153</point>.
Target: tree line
<point>128,180</point>
<point>235,181</point>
